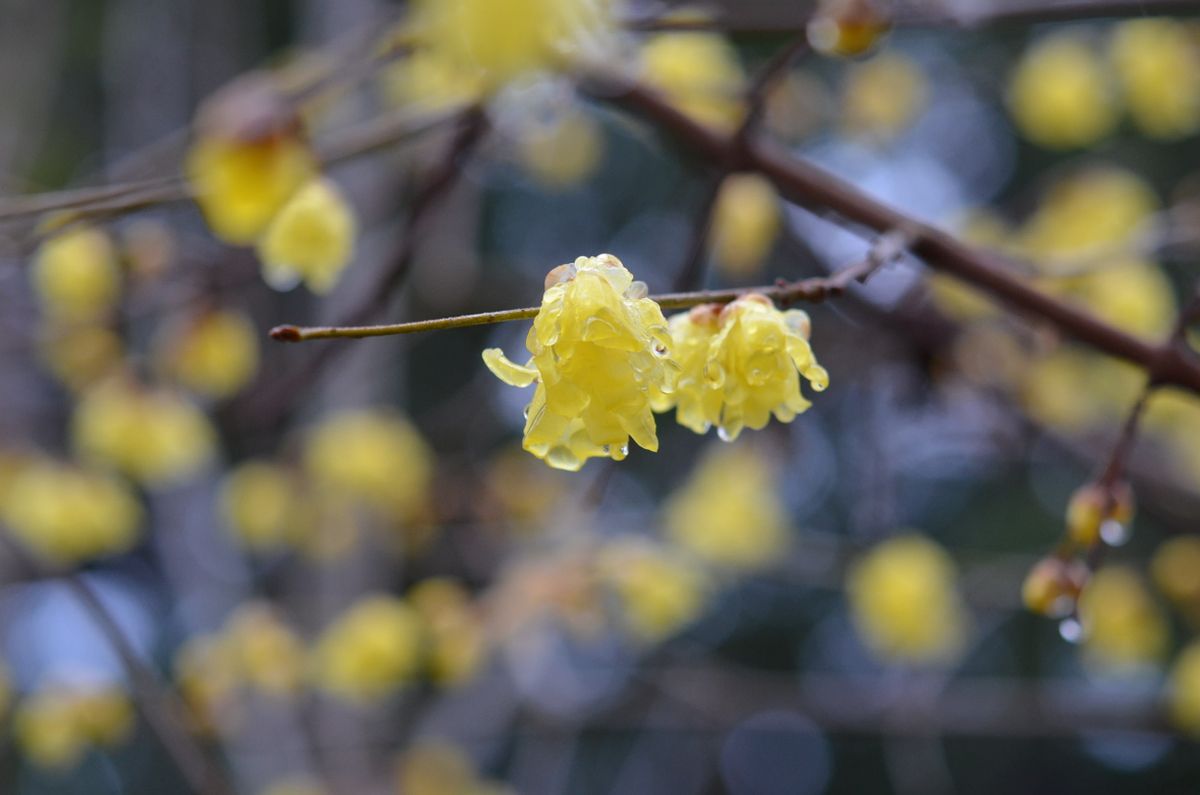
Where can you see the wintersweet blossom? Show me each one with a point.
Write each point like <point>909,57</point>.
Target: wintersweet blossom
<point>739,365</point>
<point>600,355</point>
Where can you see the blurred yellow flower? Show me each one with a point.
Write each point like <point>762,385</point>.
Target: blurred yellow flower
<point>729,513</point>
<point>370,650</point>
<point>600,352</point>
<point>257,502</point>
<point>58,723</point>
<point>903,598</point>
<point>561,151</point>
<point>311,239</point>
<point>847,27</point>
<point>883,96</point>
<point>269,655</point>
<point>1158,64</point>
<point>429,81</point>
<point>739,365</point>
<point>68,515</point>
<point>215,354</point>
<point>1174,569</point>
<point>1184,689</point>
<point>208,675</point>
<point>1123,626</point>
<point>1072,389</point>
<point>241,184</point>
<point>1133,295</point>
<point>1053,585</point>
<point>79,354</point>
<point>1059,94</point>
<point>1092,505</point>
<point>745,224</point>
<point>504,41</point>
<point>660,590</point>
<point>76,274</point>
<point>699,73</point>
<point>435,767</point>
<point>372,455</point>
<point>457,642</point>
<point>155,436</point>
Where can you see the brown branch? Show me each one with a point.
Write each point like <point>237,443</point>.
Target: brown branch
<point>819,191</point>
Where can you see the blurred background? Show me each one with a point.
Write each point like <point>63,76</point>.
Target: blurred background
<point>235,565</point>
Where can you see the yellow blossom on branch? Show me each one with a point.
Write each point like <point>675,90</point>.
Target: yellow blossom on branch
<point>311,239</point>
<point>214,355</point>
<point>699,73</point>
<point>372,649</point>
<point>1060,96</point>
<point>600,353</point>
<point>76,274</point>
<point>739,365</point>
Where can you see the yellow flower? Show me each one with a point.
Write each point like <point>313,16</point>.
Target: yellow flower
<point>269,655</point>
<point>1184,694</point>
<point>660,590</point>
<point>241,184</point>
<point>599,355</point>
<point>699,73</point>
<point>504,41</point>
<point>729,513</point>
<point>1089,509</point>
<point>1123,626</point>
<point>76,275</point>
<point>1073,389</point>
<point>1174,568</point>
<point>883,96</point>
<point>155,436</point>
<point>257,500</point>
<point>208,674</point>
<point>369,651</point>
<point>57,724</point>
<point>79,355</point>
<point>69,515</point>
<point>561,151</point>
<point>739,365</point>
<point>846,27</point>
<point>214,355</point>
<point>1059,95</point>
<point>1134,295</point>
<point>1159,68</point>
<point>904,602</point>
<point>434,767</point>
<point>374,456</point>
<point>457,643</point>
<point>1053,585</point>
<point>429,81</point>
<point>745,224</point>
<point>311,239</point>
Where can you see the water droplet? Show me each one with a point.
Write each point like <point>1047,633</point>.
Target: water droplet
<point>1071,630</point>
<point>725,435</point>
<point>624,449</point>
<point>1114,533</point>
<point>636,291</point>
<point>525,413</point>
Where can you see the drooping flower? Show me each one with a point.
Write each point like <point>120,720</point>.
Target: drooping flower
<point>600,354</point>
<point>248,159</point>
<point>310,240</point>
<point>739,365</point>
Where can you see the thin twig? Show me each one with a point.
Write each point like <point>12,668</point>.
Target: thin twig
<point>887,249</point>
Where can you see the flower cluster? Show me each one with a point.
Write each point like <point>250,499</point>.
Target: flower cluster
<point>604,359</point>
<point>257,180</point>
<point>57,724</point>
<point>600,353</point>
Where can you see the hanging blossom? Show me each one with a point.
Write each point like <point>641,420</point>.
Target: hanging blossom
<point>600,356</point>
<point>740,364</point>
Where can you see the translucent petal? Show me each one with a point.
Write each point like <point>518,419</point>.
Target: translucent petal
<point>506,370</point>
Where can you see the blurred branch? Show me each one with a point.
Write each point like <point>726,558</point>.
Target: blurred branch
<point>794,17</point>
<point>820,192</point>
<point>888,248</point>
<point>158,704</point>
<point>691,273</point>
